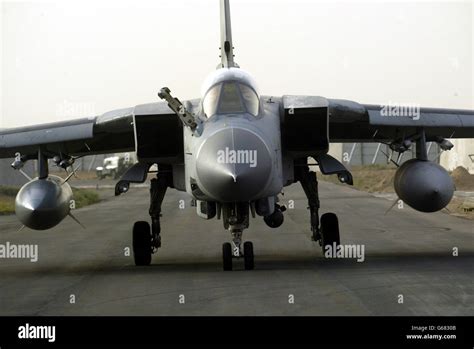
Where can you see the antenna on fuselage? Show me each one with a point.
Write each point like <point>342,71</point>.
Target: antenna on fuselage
<point>227,49</point>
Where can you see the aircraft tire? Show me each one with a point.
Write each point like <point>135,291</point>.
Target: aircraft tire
<point>227,256</point>
<point>248,256</point>
<point>329,230</point>
<point>142,243</point>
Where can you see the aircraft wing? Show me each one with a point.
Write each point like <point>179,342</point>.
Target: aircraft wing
<point>353,122</point>
<point>307,119</point>
<point>111,132</point>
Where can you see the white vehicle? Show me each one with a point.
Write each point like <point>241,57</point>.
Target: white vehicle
<point>110,168</point>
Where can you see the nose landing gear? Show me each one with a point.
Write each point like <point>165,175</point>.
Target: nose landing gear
<point>248,256</point>
<point>236,219</point>
<point>229,253</point>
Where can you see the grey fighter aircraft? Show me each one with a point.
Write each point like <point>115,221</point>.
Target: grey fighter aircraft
<point>233,150</point>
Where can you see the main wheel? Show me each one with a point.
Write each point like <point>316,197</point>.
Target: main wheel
<point>227,256</point>
<point>329,231</point>
<point>248,256</point>
<point>142,243</point>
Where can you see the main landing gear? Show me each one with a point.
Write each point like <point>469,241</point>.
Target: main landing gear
<point>326,229</point>
<point>146,238</point>
<point>236,219</point>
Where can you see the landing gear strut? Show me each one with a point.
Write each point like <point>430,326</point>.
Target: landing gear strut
<point>146,239</point>
<point>236,219</point>
<point>326,230</point>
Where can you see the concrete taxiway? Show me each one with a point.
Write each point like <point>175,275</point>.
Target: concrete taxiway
<point>407,254</point>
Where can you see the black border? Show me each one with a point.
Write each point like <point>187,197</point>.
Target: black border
<point>333,332</point>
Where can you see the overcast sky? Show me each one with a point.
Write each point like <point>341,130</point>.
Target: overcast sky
<point>72,59</point>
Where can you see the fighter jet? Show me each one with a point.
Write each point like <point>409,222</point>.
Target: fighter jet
<point>233,150</point>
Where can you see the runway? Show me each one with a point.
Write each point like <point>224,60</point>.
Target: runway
<point>406,253</point>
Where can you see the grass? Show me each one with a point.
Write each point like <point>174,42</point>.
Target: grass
<point>7,199</point>
<point>7,205</point>
<point>372,178</point>
<point>462,207</point>
<point>85,197</point>
<point>82,197</point>
<point>8,190</point>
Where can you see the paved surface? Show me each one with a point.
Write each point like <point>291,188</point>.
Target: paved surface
<point>407,253</point>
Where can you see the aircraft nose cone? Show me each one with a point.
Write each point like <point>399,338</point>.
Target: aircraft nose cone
<point>233,165</point>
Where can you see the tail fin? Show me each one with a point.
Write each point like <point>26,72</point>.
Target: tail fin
<point>227,49</point>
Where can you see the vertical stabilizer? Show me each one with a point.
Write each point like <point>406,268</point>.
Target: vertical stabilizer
<point>227,49</point>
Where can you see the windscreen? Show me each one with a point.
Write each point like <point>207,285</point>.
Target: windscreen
<point>250,99</point>
<point>211,99</point>
<point>230,98</point>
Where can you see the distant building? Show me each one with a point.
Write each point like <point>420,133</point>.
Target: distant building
<point>366,153</point>
<point>355,154</point>
<point>8,176</point>
<point>461,155</point>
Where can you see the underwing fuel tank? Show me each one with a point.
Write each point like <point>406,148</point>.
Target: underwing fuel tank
<point>423,185</point>
<point>43,203</point>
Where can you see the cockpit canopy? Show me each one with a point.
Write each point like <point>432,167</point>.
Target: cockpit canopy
<point>229,91</point>
<point>230,97</point>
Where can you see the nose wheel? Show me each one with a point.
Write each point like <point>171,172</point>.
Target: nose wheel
<point>227,256</point>
<point>248,256</point>
<point>236,219</point>
<point>229,253</point>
